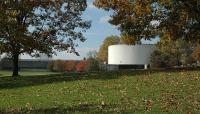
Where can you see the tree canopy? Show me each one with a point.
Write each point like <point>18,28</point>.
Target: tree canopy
<point>172,53</point>
<point>178,19</point>
<point>129,40</point>
<point>40,26</point>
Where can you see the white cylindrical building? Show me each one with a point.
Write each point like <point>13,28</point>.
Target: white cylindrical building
<point>130,55</point>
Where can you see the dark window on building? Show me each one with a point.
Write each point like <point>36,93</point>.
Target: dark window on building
<point>131,66</point>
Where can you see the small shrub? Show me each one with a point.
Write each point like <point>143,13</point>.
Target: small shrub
<point>59,66</point>
<point>51,65</point>
<point>81,66</point>
<point>70,66</point>
<point>93,65</point>
<point>162,60</point>
<point>155,59</point>
<point>196,52</point>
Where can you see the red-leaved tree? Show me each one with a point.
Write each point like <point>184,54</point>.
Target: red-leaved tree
<point>81,66</point>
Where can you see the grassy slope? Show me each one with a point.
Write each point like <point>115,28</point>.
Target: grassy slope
<point>122,92</point>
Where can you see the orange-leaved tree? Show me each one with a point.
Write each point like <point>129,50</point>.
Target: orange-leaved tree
<point>179,19</point>
<point>196,53</point>
<point>70,65</point>
<point>40,26</point>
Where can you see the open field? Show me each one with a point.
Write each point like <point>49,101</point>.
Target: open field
<point>26,73</point>
<point>112,92</point>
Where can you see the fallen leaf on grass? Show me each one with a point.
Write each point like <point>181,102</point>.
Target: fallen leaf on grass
<point>149,104</point>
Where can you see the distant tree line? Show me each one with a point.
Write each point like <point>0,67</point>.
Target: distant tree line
<point>89,65</point>
<point>169,54</point>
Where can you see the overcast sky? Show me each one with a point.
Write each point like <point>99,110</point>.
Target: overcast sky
<point>99,30</point>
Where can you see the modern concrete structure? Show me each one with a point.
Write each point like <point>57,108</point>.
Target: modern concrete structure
<point>130,56</point>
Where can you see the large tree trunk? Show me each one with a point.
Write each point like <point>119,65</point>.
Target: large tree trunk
<point>15,65</point>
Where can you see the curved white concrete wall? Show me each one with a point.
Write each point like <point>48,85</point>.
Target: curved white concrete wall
<point>130,54</point>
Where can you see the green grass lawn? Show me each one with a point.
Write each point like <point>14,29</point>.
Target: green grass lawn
<point>26,73</point>
<point>113,92</point>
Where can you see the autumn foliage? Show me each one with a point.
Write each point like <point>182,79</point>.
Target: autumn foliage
<point>129,40</point>
<point>55,27</point>
<point>59,66</point>
<point>196,53</point>
<point>81,66</point>
<point>93,65</point>
<point>70,66</point>
<point>103,51</point>
<point>169,54</point>
<point>180,19</point>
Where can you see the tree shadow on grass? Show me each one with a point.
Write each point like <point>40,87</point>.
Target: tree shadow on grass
<point>79,109</point>
<point>24,81</point>
<point>7,82</point>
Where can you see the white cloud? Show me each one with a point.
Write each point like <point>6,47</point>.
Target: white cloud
<point>104,19</point>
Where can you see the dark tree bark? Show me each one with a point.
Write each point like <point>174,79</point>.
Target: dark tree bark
<point>15,65</point>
